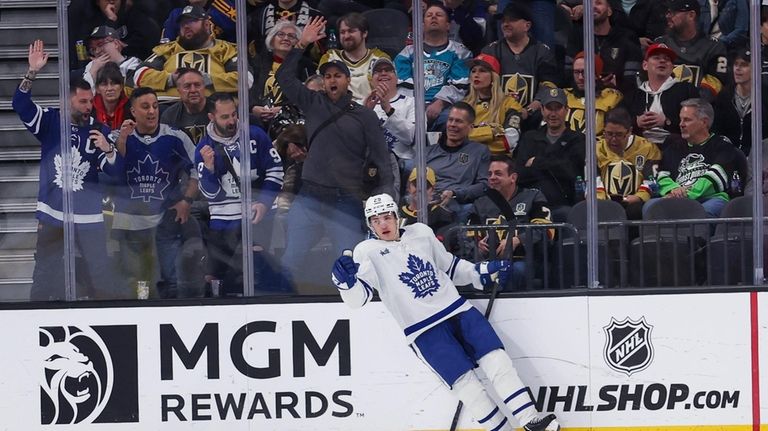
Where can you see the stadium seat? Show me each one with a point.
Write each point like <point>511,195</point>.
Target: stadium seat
<point>730,251</point>
<point>668,254</point>
<point>609,240</point>
<point>387,30</point>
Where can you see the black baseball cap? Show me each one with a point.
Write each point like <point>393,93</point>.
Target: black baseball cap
<point>192,12</point>
<point>103,31</point>
<point>684,6</point>
<point>515,11</point>
<point>334,63</point>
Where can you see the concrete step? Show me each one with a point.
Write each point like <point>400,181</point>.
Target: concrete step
<point>20,52</point>
<point>30,17</point>
<point>16,169</point>
<point>19,154</point>
<point>15,34</point>
<point>46,85</point>
<point>17,265</point>
<point>16,64</point>
<point>18,235</point>
<point>14,138</point>
<point>46,102</point>
<point>28,4</point>
<point>18,186</point>
<point>15,289</point>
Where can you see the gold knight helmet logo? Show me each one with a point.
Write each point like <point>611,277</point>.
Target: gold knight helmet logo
<point>622,179</point>
<point>194,60</point>
<point>520,87</point>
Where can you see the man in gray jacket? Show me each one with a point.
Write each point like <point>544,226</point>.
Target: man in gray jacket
<point>346,145</point>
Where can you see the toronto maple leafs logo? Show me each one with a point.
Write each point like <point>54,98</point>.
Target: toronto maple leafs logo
<point>80,169</point>
<point>421,279</point>
<point>147,180</point>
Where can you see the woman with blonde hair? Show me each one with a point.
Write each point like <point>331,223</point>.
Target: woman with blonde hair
<point>498,116</point>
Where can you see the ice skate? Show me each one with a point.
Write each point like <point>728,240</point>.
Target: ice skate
<point>546,423</point>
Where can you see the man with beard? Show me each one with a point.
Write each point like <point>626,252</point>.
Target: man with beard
<point>526,64</point>
<point>195,48</point>
<point>217,158</point>
<point>550,158</point>
<point>353,31</point>
<point>621,56</point>
<point>190,113</point>
<point>152,162</point>
<point>606,98</point>
<point>446,75</point>
<point>88,146</point>
<point>700,60</point>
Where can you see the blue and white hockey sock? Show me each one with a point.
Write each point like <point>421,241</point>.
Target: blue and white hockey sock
<point>499,369</point>
<point>471,392</point>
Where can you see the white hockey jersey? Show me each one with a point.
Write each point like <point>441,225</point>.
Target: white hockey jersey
<point>416,279</point>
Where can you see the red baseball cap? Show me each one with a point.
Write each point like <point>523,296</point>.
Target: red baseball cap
<point>660,48</point>
<point>487,60</point>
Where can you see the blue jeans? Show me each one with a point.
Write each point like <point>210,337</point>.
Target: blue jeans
<point>317,210</point>
<point>713,206</point>
<point>174,247</point>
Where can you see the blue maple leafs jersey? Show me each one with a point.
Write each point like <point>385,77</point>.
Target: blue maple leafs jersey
<point>150,176</point>
<point>45,124</point>
<point>416,279</point>
<point>220,189</point>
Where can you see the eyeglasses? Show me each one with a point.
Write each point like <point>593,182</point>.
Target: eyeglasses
<point>609,135</point>
<point>578,72</point>
<point>291,36</point>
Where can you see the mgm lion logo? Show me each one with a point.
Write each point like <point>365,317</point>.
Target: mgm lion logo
<point>79,374</point>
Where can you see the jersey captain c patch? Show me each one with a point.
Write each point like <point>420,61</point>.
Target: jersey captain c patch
<point>421,277</point>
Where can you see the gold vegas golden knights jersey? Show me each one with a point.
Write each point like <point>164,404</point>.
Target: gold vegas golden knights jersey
<point>218,64</point>
<point>360,71</point>
<point>608,99</point>
<point>626,175</point>
<point>489,129</point>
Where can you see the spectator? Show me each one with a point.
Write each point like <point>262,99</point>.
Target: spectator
<point>526,65</point>
<point>701,164</point>
<point>727,21</point>
<point>266,96</point>
<point>89,235</point>
<point>625,163</point>
<point>194,48</point>
<point>223,19</point>
<point>217,158</point>
<point>647,20</point>
<point>445,71</point>
<point>764,42</point>
<point>552,157</point>
<point>461,165</point>
<point>606,98</point>
<point>130,18</point>
<point>654,105</point>
<point>291,145</point>
<point>700,60</point>
<point>261,21</point>
<point>542,14</point>
<point>190,113</point>
<point>154,206</point>
<point>530,206</point>
<point>397,114</point>
<point>498,115</point>
<point>614,45</point>
<point>439,218</point>
<point>344,135</point>
<point>105,46</point>
<point>353,31</point>
<point>734,105</point>
<point>110,104</point>
<point>465,29</point>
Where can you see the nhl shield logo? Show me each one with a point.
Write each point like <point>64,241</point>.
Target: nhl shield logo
<point>628,347</point>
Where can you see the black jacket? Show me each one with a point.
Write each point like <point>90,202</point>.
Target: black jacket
<point>555,167</point>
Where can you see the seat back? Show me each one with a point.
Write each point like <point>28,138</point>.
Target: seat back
<point>607,210</point>
<point>738,207</point>
<point>387,30</point>
<point>676,209</point>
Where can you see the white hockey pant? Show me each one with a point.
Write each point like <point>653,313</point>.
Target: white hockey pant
<point>499,369</point>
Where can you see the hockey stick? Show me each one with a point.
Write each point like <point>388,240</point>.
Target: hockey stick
<point>506,210</point>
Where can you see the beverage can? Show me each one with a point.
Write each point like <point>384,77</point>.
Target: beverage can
<point>82,53</point>
<point>142,289</point>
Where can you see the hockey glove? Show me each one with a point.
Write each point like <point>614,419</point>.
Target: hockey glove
<point>493,271</point>
<point>344,273</point>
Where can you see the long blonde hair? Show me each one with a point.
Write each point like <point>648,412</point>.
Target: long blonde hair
<point>497,93</point>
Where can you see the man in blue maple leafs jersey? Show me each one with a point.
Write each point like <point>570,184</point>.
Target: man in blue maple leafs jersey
<point>416,277</point>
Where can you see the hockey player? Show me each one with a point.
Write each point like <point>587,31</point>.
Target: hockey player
<point>217,158</point>
<point>87,139</point>
<point>415,277</point>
